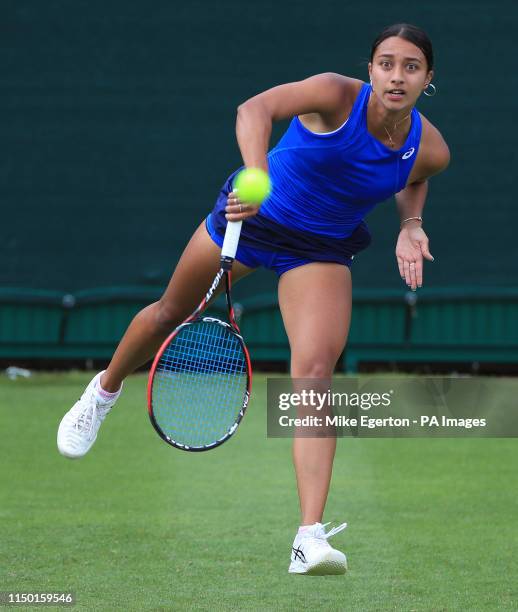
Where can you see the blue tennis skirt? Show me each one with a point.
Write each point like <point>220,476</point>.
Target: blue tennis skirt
<point>264,242</point>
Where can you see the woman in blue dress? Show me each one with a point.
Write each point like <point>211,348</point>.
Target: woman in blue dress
<point>350,145</point>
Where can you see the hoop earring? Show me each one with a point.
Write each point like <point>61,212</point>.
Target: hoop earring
<point>434,90</point>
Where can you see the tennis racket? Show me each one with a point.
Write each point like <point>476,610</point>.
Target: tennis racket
<point>200,381</point>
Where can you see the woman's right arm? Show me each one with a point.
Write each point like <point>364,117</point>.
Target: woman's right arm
<point>326,94</point>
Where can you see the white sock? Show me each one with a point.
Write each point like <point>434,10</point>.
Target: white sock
<point>105,396</point>
<point>303,528</point>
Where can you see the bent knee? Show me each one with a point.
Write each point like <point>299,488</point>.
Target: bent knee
<point>167,316</point>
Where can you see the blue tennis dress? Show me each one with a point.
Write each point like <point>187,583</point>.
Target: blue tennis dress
<point>323,185</point>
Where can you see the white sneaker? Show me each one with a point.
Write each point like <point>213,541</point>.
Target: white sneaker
<point>78,428</point>
<point>312,554</point>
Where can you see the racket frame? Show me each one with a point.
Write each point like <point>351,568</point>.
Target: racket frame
<point>225,271</point>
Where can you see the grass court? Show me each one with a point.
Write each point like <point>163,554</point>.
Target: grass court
<point>138,525</point>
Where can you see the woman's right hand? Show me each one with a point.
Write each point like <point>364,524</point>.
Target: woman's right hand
<point>235,210</point>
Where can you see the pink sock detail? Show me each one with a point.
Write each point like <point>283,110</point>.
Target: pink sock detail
<point>106,395</point>
<point>304,528</point>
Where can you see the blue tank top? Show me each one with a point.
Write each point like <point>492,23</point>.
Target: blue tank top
<point>327,183</point>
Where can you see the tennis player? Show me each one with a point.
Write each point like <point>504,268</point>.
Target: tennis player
<point>350,145</point>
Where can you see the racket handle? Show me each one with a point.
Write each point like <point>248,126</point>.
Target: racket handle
<point>229,248</point>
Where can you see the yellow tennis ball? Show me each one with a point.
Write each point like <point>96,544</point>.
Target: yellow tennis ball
<point>253,186</point>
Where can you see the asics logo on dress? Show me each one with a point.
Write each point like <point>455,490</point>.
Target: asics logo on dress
<point>409,153</point>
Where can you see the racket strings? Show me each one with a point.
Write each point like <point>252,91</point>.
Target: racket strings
<point>200,383</point>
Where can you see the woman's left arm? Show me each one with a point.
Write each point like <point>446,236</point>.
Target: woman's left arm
<point>413,244</point>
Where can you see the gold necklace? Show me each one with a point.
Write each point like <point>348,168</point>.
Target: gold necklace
<point>391,142</point>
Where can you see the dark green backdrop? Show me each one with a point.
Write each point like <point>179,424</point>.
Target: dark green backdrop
<point>117,130</point>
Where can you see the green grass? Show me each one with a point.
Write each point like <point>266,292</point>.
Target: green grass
<point>137,525</point>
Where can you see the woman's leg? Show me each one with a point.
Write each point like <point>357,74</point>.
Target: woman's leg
<point>195,271</point>
<point>315,302</point>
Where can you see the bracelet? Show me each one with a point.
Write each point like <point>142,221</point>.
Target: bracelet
<point>411,219</point>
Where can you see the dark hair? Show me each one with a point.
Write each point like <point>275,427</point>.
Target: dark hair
<point>409,32</point>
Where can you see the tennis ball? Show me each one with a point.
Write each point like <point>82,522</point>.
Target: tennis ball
<point>253,186</point>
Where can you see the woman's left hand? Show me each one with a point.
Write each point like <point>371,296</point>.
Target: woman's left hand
<point>412,246</point>
<point>235,210</point>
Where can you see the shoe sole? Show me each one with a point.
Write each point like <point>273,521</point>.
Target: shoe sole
<point>326,567</point>
<point>65,454</point>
